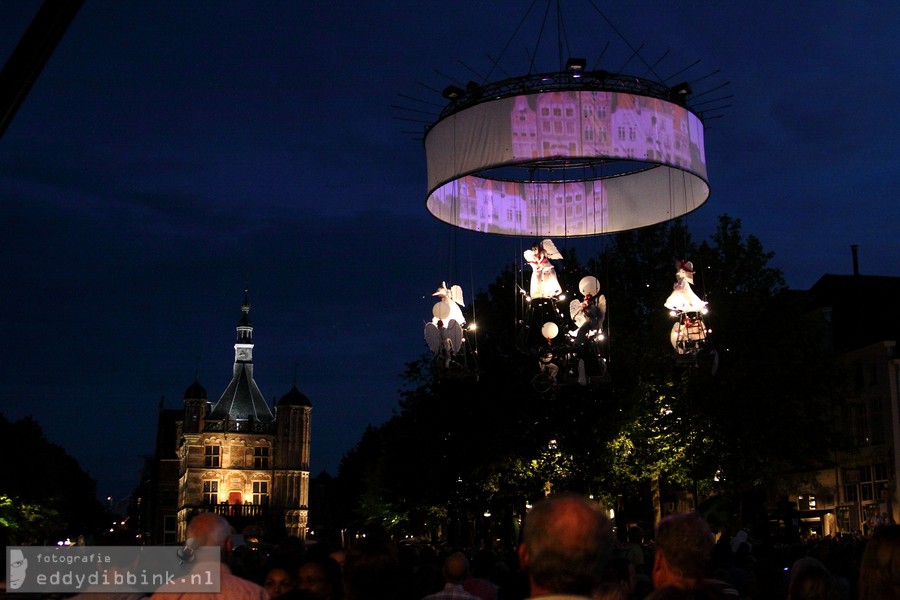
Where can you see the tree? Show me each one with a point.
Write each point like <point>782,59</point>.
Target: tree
<point>458,447</point>
<point>45,495</point>
<point>732,430</point>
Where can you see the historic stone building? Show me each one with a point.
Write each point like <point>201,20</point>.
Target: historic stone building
<point>236,457</point>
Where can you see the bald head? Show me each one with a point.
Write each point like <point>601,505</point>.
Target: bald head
<point>456,568</point>
<point>684,544</point>
<point>566,542</point>
<point>208,529</point>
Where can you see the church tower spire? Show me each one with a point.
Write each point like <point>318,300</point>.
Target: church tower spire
<point>243,347</point>
<point>242,399</point>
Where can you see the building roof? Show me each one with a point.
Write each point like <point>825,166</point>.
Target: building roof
<point>294,398</point>
<point>195,391</point>
<point>242,399</point>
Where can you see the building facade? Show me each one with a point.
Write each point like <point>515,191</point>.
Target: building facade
<point>859,489</point>
<point>237,457</point>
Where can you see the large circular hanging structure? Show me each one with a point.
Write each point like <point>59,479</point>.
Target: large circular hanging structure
<point>570,153</point>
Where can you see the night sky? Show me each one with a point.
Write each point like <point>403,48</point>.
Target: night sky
<point>172,153</point>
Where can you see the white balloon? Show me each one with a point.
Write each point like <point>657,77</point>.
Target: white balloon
<point>589,285</point>
<point>550,330</point>
<point>441,310</point>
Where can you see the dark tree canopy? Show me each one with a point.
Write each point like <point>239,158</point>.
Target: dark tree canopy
<point>45,495</point>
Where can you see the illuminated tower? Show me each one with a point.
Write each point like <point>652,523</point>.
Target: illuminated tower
<point>238,459</point>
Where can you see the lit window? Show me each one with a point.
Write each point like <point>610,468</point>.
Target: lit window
<point>261,457</point>
<point>210,492</point>
<point>261,493</point>
<point>211,456</point>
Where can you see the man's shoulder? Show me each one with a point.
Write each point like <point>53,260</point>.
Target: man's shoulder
<point>452,592</point>
<point>245,587</point>
<point>230,586</point>
<point>481,588</point>
<point>708,590</point>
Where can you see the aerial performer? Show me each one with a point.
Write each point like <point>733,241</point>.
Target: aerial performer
<point>544,283</point>
<point>451,301</point>
<point>488,172</point>
<point>444,341</point>
<point>589,313</point>
<point>683,298</point>
<point>444,334</point>
<point>689,330</point>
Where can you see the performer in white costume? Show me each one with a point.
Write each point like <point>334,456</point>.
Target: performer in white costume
<point>444,342</point>
<point>444,334</point>
<point>452,300</point>
<point>544,283</point>
<point>683,298</point>
<point>588,314</point>
<point>689,331</point>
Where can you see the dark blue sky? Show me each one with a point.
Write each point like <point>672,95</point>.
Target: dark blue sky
<point>172,151</point>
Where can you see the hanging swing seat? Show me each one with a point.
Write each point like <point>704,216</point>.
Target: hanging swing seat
<point>690,339</point>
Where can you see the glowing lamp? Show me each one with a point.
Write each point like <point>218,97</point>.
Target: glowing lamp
<point>550,330</point>
<point>451,92</point>
<point>575,66</point>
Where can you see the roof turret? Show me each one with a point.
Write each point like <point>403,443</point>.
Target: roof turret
<point>294,398</point>
<point>195,391</point>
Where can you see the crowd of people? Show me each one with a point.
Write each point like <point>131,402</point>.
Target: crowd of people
<point>567,549</point>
